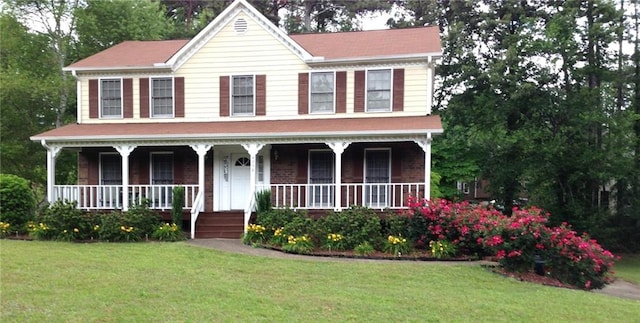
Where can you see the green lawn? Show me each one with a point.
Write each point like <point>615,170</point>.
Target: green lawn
<point>151,282</point>
<point>628,268</point>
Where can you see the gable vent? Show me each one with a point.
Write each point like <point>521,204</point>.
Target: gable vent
<point>240,26</point>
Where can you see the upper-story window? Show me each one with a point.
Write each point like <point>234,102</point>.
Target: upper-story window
<point>162,97</point>
<point>322,87</point>
<point>242,95</point>
<point>111,98</point>
<point>379,90</point>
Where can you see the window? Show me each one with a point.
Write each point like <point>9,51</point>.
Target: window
<point>377,177</point>
<point>260,169</point>
<point>379,91</point>
<point>162,176</point>
<point>463,187</point>
<point>110,180</point>
<point>162,97</point>
<point>322,89</point>
<point>111,98</point>
<point>321,190</point>
<point>242,97</point>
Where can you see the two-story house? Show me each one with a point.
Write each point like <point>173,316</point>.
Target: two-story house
<point>323,121</point>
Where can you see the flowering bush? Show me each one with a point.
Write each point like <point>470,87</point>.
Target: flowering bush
<point>129,234</point>
<point>516,241</point>
<point>334,241</point>
<point>39,231</point>
<point>442,249</point>
<point>301,244</point>
<point>4,229</point>
<point>255,234</point>
<point>396,245</point>
<point>278,237</point>
<point>168,232</point>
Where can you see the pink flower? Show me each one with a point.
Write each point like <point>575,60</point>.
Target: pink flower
<point>514,253</point>
<point>501,254</point>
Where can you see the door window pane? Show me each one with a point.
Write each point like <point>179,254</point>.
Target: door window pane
<point>321,171</point>
<point>377,170</point>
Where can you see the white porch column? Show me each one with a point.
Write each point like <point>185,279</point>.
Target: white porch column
<point>124,151</point>
<point>338,148</point>
<point>52,153</point>
<point>201,150</point>
<point>426,147</point>
<point>253,150</point>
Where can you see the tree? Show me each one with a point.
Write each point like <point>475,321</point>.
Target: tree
<point>328,15</point>
<point>28,81</point>
<point>102,24</point>
<point>57,21</point>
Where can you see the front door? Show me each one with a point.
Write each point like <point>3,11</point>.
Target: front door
<point>240,180</point>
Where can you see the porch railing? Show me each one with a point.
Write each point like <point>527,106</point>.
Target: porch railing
<point>100,197</point>
<point>322,196</point>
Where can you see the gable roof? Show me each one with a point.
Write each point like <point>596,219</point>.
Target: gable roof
<point>370,44</point>
<point>131,54</point>
<point>419,42</point>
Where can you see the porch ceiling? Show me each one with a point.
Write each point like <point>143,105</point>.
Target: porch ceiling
<point>230,132</point>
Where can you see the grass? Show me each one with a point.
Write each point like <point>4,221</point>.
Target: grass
<point>149,282</point>
<point>628,268</point>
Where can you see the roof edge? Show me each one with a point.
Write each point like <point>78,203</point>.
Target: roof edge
<point>213,27</point>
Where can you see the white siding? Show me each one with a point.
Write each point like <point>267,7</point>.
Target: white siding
<point>228,53</point>
<point>257,52</point>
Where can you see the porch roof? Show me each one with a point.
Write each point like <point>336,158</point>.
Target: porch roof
<point>272,131</point>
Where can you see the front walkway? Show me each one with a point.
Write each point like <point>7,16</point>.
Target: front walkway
<point>619,288</point>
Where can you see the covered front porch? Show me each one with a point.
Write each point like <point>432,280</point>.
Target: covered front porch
<point>221,169</point>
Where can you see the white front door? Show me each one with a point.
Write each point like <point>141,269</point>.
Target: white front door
<point>240,170</point>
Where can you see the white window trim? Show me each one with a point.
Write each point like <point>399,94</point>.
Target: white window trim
<point>121,98</point>
<point>100,177</point>
<point>173,97</point>
<point>333,111</point>
<point>366,90</point>
<point>173,175</point>
<point>231,112</point>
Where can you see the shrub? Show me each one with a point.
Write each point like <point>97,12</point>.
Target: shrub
<point>263,201</point>
<point>442,249</point>
<point>66,222</point>
<point>364,249</point>
<point>255,234</point>
<point>177,205</point>
<point>168,232</point>
<point>517,241</point>
<point>284,222</point>
<point>275,218</point>
<point>141,217</point>
<point>396,245</point>
<point>40,231</point>
<point>4,229</point>
<point>356,224</point>
<point>17,201</point>
<point>300,244</point>
<point>334,241</point>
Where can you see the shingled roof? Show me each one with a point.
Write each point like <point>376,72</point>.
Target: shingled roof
<point>414,125</point>
<point>332,46</point>
<point>128,54</point>
<point>374,43</point>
